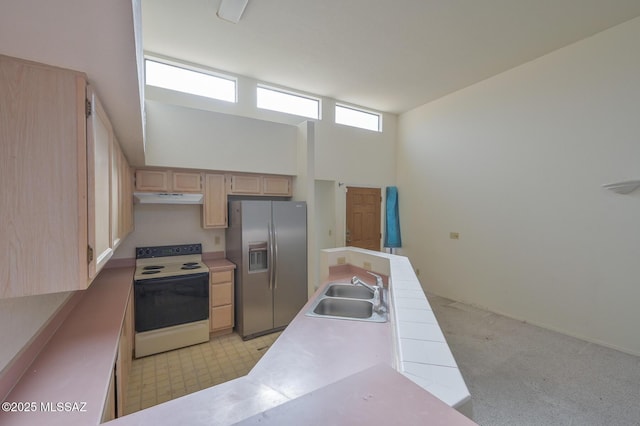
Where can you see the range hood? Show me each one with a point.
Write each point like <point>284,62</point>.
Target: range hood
<point>167,198</point>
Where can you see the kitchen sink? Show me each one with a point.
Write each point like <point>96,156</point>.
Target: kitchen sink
<point>349,291</point>
<point>347,302</point>
<point>344,308</point>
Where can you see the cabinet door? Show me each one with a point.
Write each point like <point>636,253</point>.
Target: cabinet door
<point>276,185</point>
<point>124,360</point>
<point>152,180</point>
<point>221,317</point>
<point>126,197</point>
<point>109,409</point>
<point>214,209</point>
<point>186,182</point>
<point>43,207</point>
<point>241,184</point>
<point>116,194</point>
<point>99,185</point>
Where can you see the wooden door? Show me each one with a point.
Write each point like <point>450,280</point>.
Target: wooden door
<point>363,218</point>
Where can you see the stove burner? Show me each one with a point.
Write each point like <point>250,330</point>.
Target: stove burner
<point>152,267</point>
<point>153,271</point>
<point>190,265</point>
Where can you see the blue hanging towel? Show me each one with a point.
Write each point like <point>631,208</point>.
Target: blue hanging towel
<point>392,237</point>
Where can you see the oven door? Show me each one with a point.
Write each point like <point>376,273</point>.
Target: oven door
<point>168,301</point>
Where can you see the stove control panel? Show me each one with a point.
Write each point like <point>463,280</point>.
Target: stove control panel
<point>166,251</point>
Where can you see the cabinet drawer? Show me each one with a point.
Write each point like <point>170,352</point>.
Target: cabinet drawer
<point>221,317</point>
<point>221,277</point>
<point>221,294</point>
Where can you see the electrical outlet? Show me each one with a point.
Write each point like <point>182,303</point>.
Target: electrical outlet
<point>367,266</point>
<point>216,240</point>
<point>342,261</point>
<point>454,235</point>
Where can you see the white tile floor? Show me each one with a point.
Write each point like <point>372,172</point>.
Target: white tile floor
<point>169,375</point>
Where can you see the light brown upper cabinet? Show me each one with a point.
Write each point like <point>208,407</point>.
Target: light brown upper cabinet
<point>245,184</point>
<point>276,185</point>
<point>99,171</point>
<point>50,234</point>
<point>168,181</point>
<point>186,182</point>
<point>241,184</point>
<point>121,196</point>
<point>152,180</point>
<point>214,208</point>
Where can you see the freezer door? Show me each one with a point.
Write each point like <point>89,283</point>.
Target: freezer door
<point>290,254</point>
<point>257,297</point>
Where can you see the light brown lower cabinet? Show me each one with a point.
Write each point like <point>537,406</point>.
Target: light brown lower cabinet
<point>117,395</point>
<point>109,412</point>
<point>221,297</point>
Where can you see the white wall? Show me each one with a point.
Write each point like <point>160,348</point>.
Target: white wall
<point>178,136</point>
<point>515,164</point>
<point>166,224</point>
<point>195,132</point>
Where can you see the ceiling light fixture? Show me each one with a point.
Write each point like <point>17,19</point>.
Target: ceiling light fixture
<point>231,10</point>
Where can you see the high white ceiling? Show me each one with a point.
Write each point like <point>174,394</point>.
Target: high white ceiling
<point>390,55</point>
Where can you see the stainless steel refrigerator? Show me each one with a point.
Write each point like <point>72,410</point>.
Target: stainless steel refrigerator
<point>267,240</point>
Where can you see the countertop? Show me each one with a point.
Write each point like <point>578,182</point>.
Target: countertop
<point>217,265</point>
<point>77,363</point>
<point>314,366</point>
<point>319,371</point>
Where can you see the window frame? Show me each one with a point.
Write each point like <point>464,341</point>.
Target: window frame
<point>194,69</point>
<point>293,94</point>
<point>360,110</point>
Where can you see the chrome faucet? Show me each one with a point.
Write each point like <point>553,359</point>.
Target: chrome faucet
<point>377,290</point>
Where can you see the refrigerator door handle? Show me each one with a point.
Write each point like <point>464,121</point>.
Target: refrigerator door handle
<point>270,256</point>
<point>275,257</point>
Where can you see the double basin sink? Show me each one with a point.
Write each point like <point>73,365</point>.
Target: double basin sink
<point>346,301</point>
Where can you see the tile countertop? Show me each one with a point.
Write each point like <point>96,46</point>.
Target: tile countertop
<point>423,353</point>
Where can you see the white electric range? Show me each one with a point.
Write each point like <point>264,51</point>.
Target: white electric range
<point>171,298</point>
